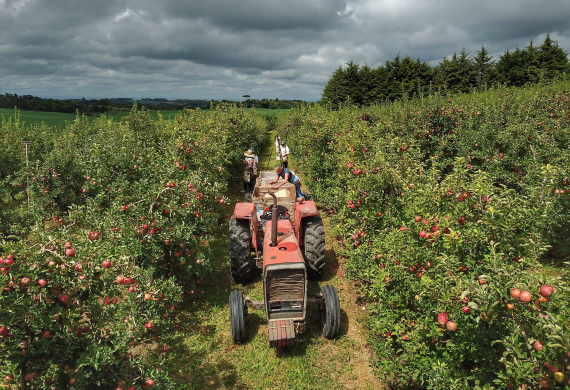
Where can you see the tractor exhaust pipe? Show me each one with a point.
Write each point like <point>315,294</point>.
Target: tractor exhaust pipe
<point>274,212</point>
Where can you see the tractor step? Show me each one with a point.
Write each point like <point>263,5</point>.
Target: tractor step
<point>281,333</point>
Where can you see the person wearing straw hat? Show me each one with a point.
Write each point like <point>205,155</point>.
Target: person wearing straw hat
<point>253,151</point>
<point>250,172</point>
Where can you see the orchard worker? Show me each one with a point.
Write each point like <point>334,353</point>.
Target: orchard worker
<point>282,152</point>
<point>288,177</point>
<point>250,172</point>
<point>253,151</point>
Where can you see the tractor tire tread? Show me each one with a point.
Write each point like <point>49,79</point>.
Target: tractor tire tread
<point>314,246</point>
<point>241,264</point>
<point>237,317</point>
<point>330,318</point>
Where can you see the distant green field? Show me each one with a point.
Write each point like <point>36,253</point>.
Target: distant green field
<point>58,119</point>
<point>52,119</point>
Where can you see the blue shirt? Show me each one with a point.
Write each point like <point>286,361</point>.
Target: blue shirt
<point>292,177</point>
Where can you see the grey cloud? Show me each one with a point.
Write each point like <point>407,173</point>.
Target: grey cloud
<point>223,49</point>
<point>244,15</point>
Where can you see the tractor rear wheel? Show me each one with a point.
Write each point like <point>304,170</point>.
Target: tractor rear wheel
<point>330,312</point>
<point>314,246</point>
<point>241,263</point>
<point>237,316</point>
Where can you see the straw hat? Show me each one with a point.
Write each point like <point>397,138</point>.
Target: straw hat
<point>249,153</point>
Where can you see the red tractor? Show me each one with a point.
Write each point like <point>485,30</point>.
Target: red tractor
<point>287,252</point>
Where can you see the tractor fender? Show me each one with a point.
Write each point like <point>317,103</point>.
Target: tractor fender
<point>244,211</point>
<point>247,211</point>
<point>306,209</point>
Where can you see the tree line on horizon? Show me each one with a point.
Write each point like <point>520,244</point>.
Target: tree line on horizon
<point>93,106</point>
<point>404,78</point>
<point>112,105</point>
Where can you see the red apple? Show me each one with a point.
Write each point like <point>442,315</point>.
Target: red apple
<point>442,318</point>
<point>93,235</point>
<point>68,245</point>
<point>466,309</point>
<point>546,291</point>
<point>70,252</point>
<point>65,299</point>
<point>525,296</point>
<point>515,293</point>
<point>106,264</point>
<point>42,282</point>
<point>452,326</point>
<point>538,345</point>
<point>550,367</point>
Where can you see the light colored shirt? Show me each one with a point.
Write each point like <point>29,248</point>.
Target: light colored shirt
<point>284,150</point>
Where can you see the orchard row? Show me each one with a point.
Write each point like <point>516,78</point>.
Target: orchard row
<point>446,207</point>
<point>114,243</point>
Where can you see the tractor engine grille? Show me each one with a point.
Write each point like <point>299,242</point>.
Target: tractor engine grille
<point>285,293</point>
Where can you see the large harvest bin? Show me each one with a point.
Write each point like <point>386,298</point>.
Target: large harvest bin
<point>285,195</point>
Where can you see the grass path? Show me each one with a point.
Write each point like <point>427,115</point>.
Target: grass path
<point>204,357</point>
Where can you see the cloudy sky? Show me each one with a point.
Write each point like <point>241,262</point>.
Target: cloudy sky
<point>224,49</point>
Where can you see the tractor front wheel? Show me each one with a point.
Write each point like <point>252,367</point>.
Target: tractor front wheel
<point>238,311</point>
<point>314,246</point>
<point>330,312</point>
<point>241,264</point>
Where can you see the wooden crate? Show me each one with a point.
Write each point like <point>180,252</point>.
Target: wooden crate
<point>286,194</point>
